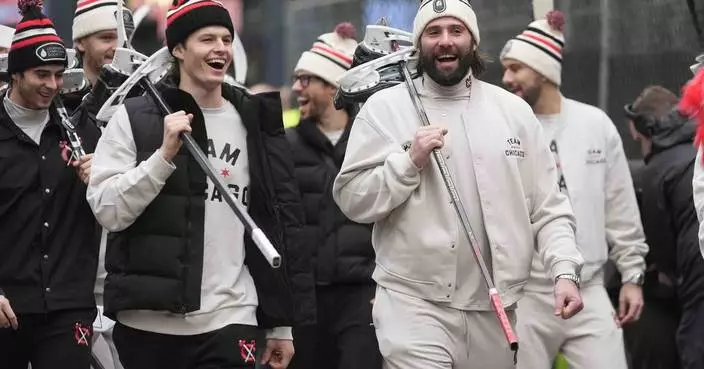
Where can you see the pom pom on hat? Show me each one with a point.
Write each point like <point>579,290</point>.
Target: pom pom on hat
<point>26,5</point>
<point>346,30</point>
<point>556,20</point>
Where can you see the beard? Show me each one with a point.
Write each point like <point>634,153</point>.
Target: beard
<point>531,94</point>
<point>465,58</point>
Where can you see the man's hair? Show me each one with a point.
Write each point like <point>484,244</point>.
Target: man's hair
<point>655,101</point>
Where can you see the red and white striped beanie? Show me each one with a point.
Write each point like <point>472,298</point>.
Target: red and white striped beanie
<point>185,17</point>
<point>540,46</point>
<point>94,16</point>
<point>331,54</point>
<point>35,41</point>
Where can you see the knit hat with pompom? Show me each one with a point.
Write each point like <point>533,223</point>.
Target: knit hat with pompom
<point>540,46</point>
<point>35,41</point>
<point>331,54</point>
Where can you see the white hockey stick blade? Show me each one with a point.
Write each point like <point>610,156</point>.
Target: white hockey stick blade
<point>386,40</point>
<point>125,24</point>
<point>366,76</point>
<point>127,60</point>
<point>155,67</point>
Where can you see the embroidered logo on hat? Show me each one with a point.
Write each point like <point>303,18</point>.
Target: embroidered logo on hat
<point>51,52</point>
<point>439,6</point>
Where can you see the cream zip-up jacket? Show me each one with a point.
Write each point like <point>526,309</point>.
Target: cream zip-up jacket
<point>600,189</point>
<point>416,229</point>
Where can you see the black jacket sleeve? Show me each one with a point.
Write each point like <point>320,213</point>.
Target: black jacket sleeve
<point>288,212</point>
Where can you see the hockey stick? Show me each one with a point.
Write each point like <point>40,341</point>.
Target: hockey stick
<point>258,236</point>
<point>154,68</point>
<point>464,219</point>
<point>74,141</point>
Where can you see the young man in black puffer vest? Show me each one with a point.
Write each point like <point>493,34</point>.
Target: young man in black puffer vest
<point>344,337</point>
<point>187,287</point>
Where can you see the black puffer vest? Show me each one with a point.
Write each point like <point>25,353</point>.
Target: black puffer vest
<point>157,263</point>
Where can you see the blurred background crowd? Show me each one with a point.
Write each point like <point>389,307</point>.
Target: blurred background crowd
<point>633,43</point>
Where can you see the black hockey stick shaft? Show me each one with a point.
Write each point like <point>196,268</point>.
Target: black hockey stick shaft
<point>250,226</point>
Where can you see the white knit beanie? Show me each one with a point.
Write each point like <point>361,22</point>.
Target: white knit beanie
<point>331,54</point>
<point>6,34</point>
<point>94,16</point>
<point>433,9</point>
<point>540,46</point>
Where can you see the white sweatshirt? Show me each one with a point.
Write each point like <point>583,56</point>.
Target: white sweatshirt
<point>589,153</point>
<point>120,189</point>
<point>417,237</point>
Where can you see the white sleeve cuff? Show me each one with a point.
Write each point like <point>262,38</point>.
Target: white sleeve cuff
<point>280,333</point>
<point>158,167</point>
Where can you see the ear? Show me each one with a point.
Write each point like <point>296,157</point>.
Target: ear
<point>79,45</point>
<point>179,51</point>
<point>331,89</point>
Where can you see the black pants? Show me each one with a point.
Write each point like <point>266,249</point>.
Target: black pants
<point>235,346</point>
<point>690,337</point>
<point>344,337</point>
<point>651,340</point>
<point>49,341</point>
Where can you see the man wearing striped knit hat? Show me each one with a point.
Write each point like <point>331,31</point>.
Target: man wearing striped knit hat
<point>187,286</point>
<point>49,237</point>
<point>95,34</point>
<point>593,173</point>
<point>343,252</point>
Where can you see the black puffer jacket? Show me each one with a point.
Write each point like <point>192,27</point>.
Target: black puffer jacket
<point>341,249</point>
<point>668,213</point>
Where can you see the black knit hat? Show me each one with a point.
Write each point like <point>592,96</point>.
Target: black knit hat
<point>35,41</point>
<point>187,16</point>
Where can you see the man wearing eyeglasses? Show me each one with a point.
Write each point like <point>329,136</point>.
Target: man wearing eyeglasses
<point>342,250</point>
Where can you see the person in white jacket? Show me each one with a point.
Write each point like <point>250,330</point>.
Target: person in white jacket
<point>593,173</point>
<point>431,308</point>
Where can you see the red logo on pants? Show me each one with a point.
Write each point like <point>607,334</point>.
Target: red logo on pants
<point>248,350</point>
<point>82,333</point>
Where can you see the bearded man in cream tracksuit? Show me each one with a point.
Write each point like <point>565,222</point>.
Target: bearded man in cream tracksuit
<point>593,173</point>
<point>431,308</point>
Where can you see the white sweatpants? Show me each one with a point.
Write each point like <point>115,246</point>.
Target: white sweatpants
<point>418,334</point>
<point>589,340</point>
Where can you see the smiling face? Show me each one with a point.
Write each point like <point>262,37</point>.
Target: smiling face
<point>205,57</point>
<point>98,49</point>
<point>446,50</point>
<point>36,87</point>
<point>523,81</point>
<point>314,95</point>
